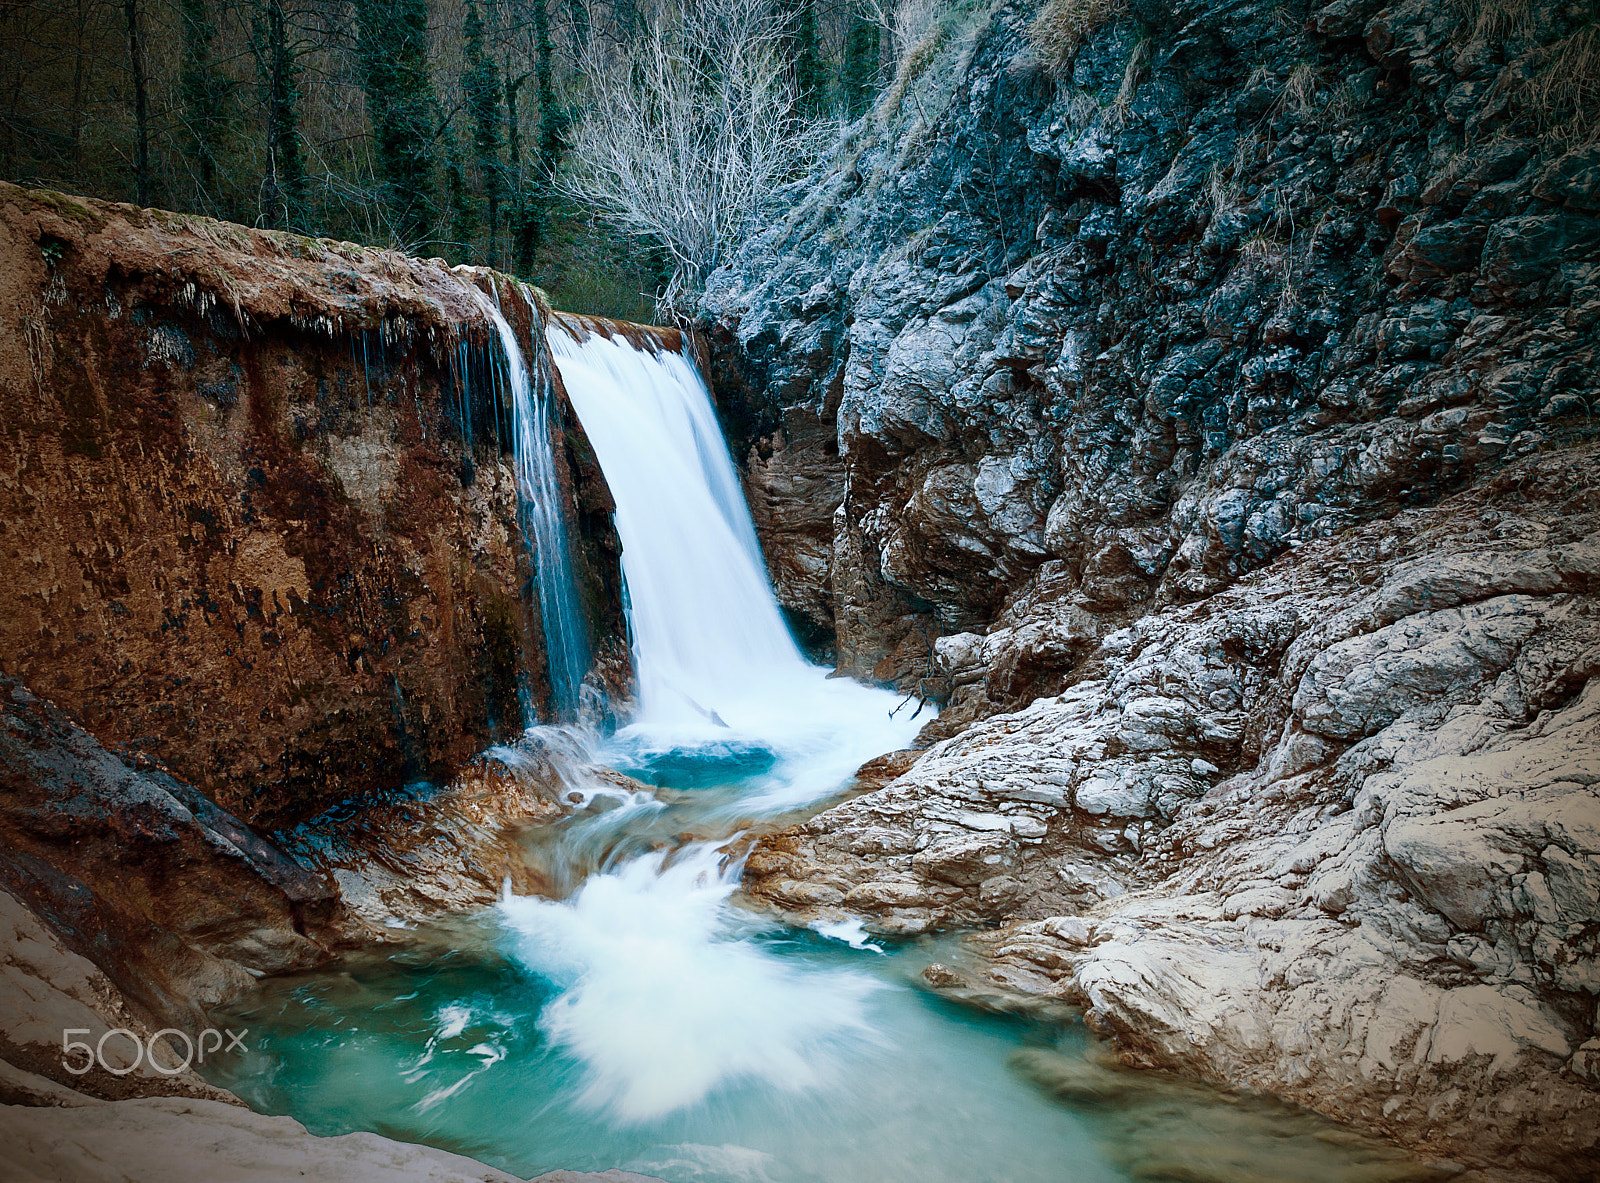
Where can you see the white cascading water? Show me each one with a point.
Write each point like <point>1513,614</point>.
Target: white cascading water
<point>544,525</point>
<point>706,627</point>
<point>665,998</point>
<point>663,1002</point>
<point>715,661</point>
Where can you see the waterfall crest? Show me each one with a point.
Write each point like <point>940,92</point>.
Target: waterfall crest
<point>706,625</point>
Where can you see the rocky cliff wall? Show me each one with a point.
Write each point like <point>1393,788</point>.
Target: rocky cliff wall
<point>1202,412</point>
<point>256,519</point>
<point>1227,278</point>
<point>1331,833</point>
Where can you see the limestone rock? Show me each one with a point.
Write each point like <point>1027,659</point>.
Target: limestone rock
<point>1331,833</point>
<point>170,1140</point>
<point>46,990</point>
<point>1063,323</point>
<point>1212,419</point>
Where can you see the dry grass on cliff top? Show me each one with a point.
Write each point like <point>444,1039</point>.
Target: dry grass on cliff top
<point>187,259</point>
<point>1063,25</point>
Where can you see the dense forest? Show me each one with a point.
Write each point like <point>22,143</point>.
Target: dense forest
<point>441,127</point>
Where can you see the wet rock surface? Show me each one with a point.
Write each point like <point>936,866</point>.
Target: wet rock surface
<point>179,902</point>
<point>131,906</point>
<point>431,850</point>
<point>259,522</point>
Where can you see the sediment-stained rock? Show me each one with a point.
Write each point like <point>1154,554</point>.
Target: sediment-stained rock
<point>431,850</point>
<point>256,519</point>
<point>793,480</point>
<point>130,905</point>
<point>176,900</point>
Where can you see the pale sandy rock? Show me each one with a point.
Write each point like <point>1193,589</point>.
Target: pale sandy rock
<point>18,1087</point>
<point>172,1140</point>
<point>46,990</point>
<point>1333,833</point>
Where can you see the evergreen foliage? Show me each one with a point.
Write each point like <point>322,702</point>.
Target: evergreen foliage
<point>392,45</point>
<point>810,78</point>
<point>533,217</point>
<point>283,185</point>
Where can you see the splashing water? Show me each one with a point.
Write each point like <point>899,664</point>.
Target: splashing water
<point>444,1040</point>
<point>663,1003</point>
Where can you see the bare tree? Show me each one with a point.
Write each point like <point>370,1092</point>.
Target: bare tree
<point>691,126</point>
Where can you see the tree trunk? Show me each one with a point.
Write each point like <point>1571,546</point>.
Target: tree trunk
<point>141,101</point>
<point>283,188</point>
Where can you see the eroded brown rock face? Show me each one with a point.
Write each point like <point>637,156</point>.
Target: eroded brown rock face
<point>131,905</point>
<point>250,524</point>
<point>131,899</point>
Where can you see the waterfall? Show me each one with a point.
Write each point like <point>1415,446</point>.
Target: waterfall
<point>716,665</point>
<point>706,626</point>
<point>539,512</point>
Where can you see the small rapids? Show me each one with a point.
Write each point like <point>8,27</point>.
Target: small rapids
<point>648,1022</point>
<point>644,1019</point>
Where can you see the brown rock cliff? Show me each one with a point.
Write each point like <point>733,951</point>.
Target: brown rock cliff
<point>250,521</point>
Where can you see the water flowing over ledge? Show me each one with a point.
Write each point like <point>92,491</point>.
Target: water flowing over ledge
<point>718,670</point>
<point>539,509</point>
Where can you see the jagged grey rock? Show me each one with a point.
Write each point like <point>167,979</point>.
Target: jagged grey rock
<point>1332,833</point>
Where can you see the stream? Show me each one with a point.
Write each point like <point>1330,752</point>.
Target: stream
<point>645,1019</point>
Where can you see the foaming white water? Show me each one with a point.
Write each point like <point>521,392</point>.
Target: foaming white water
<point>664,1001</point>
<point>714,658</point>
